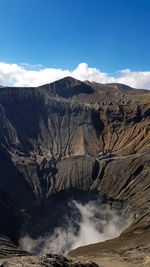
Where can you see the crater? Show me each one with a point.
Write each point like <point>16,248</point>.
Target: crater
<point>72,173</point>
<point>70,219</point>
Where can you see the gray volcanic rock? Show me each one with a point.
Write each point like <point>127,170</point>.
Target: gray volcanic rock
<point>67,136</point>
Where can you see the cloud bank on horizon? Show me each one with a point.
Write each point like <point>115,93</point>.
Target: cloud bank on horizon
<point>24,76</point>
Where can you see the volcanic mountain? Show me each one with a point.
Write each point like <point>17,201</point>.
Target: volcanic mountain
<point>73,139</point>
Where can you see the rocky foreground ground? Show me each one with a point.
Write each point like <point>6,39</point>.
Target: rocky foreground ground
<point>48,260</point>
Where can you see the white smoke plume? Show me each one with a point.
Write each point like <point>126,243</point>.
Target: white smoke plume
<point>97,224</point>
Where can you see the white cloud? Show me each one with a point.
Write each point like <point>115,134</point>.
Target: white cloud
<point>24,75</point>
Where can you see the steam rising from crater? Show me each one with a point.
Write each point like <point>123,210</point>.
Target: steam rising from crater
<point>89,223</point>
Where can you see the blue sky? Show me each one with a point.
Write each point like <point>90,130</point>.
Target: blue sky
<point>109,35</point>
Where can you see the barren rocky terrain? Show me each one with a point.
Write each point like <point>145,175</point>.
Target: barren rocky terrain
<point>72,139</point>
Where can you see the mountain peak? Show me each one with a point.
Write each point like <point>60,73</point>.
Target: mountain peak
<point>68,87</point>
